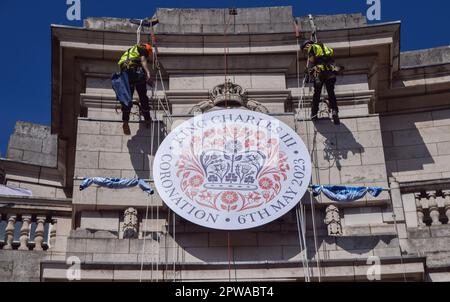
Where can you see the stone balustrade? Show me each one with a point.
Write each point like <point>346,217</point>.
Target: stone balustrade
<point>433,207</point>
<point>26,232</point>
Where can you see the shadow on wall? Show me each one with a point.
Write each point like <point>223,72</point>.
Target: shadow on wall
<point>143,145</point>
<point>404,145</point>
<point>264,243</point>
<point>365,244</point>
<point>339,142</point>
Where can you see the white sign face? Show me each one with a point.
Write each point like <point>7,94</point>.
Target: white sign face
<point>232,169</point>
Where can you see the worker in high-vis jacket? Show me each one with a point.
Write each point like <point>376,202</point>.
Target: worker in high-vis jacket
<point>134,74</point>
<point>323,71</point>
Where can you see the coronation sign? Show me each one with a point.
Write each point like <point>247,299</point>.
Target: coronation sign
<point>232,169</point>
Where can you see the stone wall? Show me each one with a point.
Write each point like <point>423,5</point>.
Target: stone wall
<point>424,57</point>
<point>417,146</point>
<point>17,266</point>
<point>351,153</point>
<point>103,151</point>
<point>247,20</point>
<point>34,144</point>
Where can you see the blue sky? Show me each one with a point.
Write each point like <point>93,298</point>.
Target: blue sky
<point>25,31</point>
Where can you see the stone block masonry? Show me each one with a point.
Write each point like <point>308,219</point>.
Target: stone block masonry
<point>32,143</point>
<point>416,145</point>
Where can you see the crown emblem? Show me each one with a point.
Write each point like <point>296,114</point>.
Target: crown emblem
<point>229,93</point>
<point>232,168</point>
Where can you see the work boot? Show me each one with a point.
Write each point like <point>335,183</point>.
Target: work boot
<point>335,117</point>
<point>126,128</point>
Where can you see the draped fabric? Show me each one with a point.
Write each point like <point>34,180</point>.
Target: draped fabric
<point>10,191</point>
<point>345,194</point>
<point>121,85</point>
<point>116,183</point>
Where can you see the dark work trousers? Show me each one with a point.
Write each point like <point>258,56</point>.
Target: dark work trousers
<point>329,79</point>
<point>137,79</point>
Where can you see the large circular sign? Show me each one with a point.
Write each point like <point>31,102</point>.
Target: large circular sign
<point>232,169</point>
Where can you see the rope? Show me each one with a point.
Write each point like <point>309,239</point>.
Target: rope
<point>300,111</point>
<point>174,247</point>
<point>144,239</point>
<point>398,236</point>
<point>143,244</point>
<point>166,108</point>
<point>166,253</point>
<point>302,246</point>
<point>229,255</point>
<point>157,66</point>
<point>138,33</point>
<point>313,214</point>
<point>151,168</point>
<point>299,211</point>
<point>316,169</point>
<point>225,48</point>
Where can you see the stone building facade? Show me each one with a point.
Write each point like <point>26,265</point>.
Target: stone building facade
<point>395,133</point>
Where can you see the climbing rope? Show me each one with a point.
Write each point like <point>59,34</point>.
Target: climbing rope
<point>226,50</point>
<point>394,217</point>
<point>298,116</point>
<point>138,32</point>
<point>157,106</point>
<point>143,243</point>
<point>302,244</point>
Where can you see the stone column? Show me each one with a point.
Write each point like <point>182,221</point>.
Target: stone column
<point>420,214</point>
<point>39,234</point>
<point>53,232</point>
<point>130,223</point>
<point>446,194</point>
<point>434,209</point>
<point>25,233</point>
<point>333,221</point>
<point>10,231</point>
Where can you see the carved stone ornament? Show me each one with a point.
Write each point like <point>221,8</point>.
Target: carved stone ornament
<point>333,221</point>
<point>130,223</point>
<point>228,95</point>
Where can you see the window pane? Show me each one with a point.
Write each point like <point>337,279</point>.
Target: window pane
<point>17,227</point>
<point>3,224</point>
<point>32,232</point>
<point>46,232</point>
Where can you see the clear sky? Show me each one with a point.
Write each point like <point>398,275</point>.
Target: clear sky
<point>25,33</point>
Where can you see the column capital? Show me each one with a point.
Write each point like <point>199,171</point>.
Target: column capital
<point>431,194</point>
<point>11,217</point>
<point>26,217</point>
<point>42,218</point>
